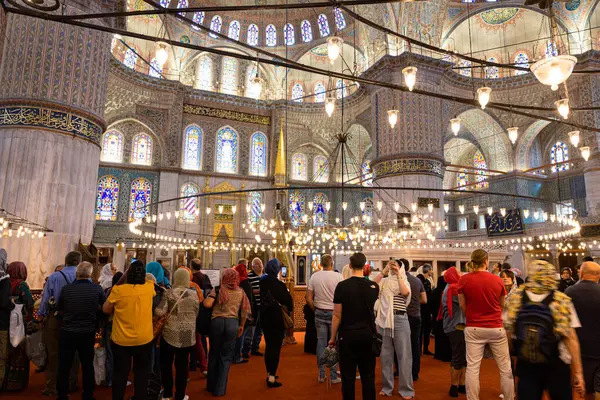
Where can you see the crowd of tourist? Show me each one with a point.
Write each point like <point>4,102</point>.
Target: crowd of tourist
<point>156,327</point>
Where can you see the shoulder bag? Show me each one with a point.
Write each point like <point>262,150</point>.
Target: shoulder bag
<point>376,338</point>
<point>159,323</point>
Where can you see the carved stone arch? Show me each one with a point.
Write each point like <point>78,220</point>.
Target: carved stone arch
<point>127,125</point>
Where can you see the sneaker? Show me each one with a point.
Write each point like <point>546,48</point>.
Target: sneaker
<point>453,392</point>
<point>336,380</point>
<point>186,397</point>
<point>322,379</point>
<point>128,383</point>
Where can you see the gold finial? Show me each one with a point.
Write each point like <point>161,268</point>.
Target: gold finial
<point>280,161</point>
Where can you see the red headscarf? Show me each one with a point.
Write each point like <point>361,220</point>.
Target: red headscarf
<point>451,276</point>
<point>242,271</point>
<point>18,274</point>
<point>230,281</point>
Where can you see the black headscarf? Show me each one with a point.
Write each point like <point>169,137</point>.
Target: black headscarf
<point>136,274</point>
<point>116,278</point>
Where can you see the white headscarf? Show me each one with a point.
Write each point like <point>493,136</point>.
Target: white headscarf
<point>106,277</point>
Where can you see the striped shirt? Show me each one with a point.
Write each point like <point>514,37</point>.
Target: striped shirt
<point>255,284</point>
<point>399,303</point>
<point>80,303</point>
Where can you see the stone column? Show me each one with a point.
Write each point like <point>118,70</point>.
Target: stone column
<point>591,174</point>
<point>53,81</point>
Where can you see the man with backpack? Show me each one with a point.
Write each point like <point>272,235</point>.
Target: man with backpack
<point>542,321</point>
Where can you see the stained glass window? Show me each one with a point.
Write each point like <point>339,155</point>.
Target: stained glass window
<point>182,4</point>
<point>258,154</point>
<point>491,72</point>
<point>139,198</point>
<point>188,208</point>
<point>107,198</point>
<point>198,18</point>
<point>306,31</point>
<point>288,33</point>
<point>521,60</point>
<point>341,89</point>
<point>252,35</point>
<point>192,148</point>
<point>204,75</point>
<point>340,20</point>
<point>112,146</point>
<point>271,35</point>
<point>320,211</point>
<point>551,49</point>
<point>462,180</point>
<point>480,172</point>
<point>464,71</point>
<point>297,93</point>
<point>155,69</point>
<point>254,199</point>
<point>165,3</point>
<point>130,58</point>
<point>229,76</point>
<point>559,155</point>
<point>320,169</point>
<point>215,25</point>
<point>227,151</point>
<point>320,93</point>
<point>323,25</point>
<point>299,167</point>
<point>367,174</point>
<point>297,207</point>
<point>251,90</point>
<point>234,30</point>
<point>141,149</point>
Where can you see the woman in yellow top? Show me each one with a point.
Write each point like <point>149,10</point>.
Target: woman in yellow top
<point>132,335</point>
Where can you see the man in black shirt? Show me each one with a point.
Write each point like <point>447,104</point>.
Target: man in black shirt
<point>586,300</point>
<point>79,304</point>
<point>200,279</point>
<point>353,319</point>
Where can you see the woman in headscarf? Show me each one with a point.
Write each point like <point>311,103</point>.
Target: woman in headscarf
<point>157,270</point>
<point>106,275</point>
<point>566,279</point>
<point>454,322</point>
<point>17,373</point>
<point>231,308</point>
<point>273,295</point>
<point>199,352</point>
<point>6,306</point>
<point>242,271</point>
<point>510,284</point>
<point>194,285</point>
<point>553,372</point>
<point>179,333</point>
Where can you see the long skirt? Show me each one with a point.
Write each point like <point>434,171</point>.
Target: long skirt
<point>17,369</point>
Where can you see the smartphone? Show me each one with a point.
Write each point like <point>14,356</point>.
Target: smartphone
<point>284,272</point>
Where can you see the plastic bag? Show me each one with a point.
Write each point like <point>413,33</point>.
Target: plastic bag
<point>35,349</point>
<point>99,365</point>
<point>330,356</point>
<point>17,325</point>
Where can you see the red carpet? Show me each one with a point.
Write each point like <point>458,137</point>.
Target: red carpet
<point>298,373</point>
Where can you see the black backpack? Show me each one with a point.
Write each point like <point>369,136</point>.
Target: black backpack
<point>536,341</point>
<point>205,316</point>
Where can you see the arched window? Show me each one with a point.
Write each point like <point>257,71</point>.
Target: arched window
<point>141,149</point>
<point>297,93</point>
<point>139,198</point>
<point>130,58</point>
<point>320,210</point>
<point>323,25</point>
<point>341,89</point>
<point>340,20</point>
<point>491,72</point>
<point>559,155</point>
<point>182,4</point>
<point>288,33</point>
<point>297,207</point>
<point>320,93</point>
<point>521,60</point>
<point>229,76</point>
<point>271,35</point>
<point>258,154</point>
<point>227,151</point>
<point>234,30</point>
<point>198,18</point>
<point>251,90</point>
<point>306,31</point>
<point>464,71</point>
<point>215,25</point>
<point>107,198</point>
<point>188,208</point>
<point>255,214</point>
<point>462,180</point>
<point>165,3</point>
<point>204,74</point>
<point>155,70</point>
<point>252,38</point>
<point>367,174</point>
<point>320,169</point>
<point>112,146</point>
<point>192,148</point>
<point>480,172</point>
<point>299,167</point>
<point>551,50</point>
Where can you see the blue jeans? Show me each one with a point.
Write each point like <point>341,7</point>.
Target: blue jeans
<point>252,338</point>
<point>323,325</point>
<point>239,342</point>
<point>223,333</point>
<point>401,343</point>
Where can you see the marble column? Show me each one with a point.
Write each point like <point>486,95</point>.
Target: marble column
<point>53,81</point>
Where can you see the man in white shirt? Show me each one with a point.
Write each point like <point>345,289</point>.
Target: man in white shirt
<point>319,297</point>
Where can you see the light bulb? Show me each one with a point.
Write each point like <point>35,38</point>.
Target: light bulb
<point>461,208</point>
<point>513,134</point>
<point>562,106</point>
<point>526,213</point>
<point>396,206</point>
<point>344,206</point>
<point>162,55</point>
<point>585,153</point>
<point>256,85</point>
<point>362,206</point>
<point>248,207</point>
<point>393,117</point>
<point>447,207</point>
<point>430,207</point>
<point>552,217</point>
<point>311,205</point>
<point>536,214</point>
<point>490,211</point>
<point>334,47</point>
<point>379,205</point>
<point>413,206</point>
<point>208,210</point>
<point>574,138</point>
<point>476,209</point>
<point>329,105</point>
<point>545,215</point>
<point>455,125</point>
<point>503,212</point>
<point>328,205</point>
<point>483,95</point>
<point>262,206</point>
<point>410,77</point>
<point>220,208</point>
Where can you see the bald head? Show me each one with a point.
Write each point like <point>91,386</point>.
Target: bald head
<point>590,271</point>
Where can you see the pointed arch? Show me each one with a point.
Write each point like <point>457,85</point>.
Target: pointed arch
<point>299,167</point>
<point>226,155</point>
<point>189,207</point>
<point>480,173</point>
<point>320,169</point>
<point>139,197</point>
<point>141,149</point>
<point>192,148</point>
<point>320,209</point>
<point>107,198</point>
<point>112,146</point>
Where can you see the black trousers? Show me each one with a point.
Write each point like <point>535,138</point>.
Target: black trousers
<point>353,353</point>
<point>415,345</point>
<point>142,365</point>
<point>426,328</point>
<point>273,331</point>
<point>83,344</point>
<point>182,357</point>
<point>535,378</point>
